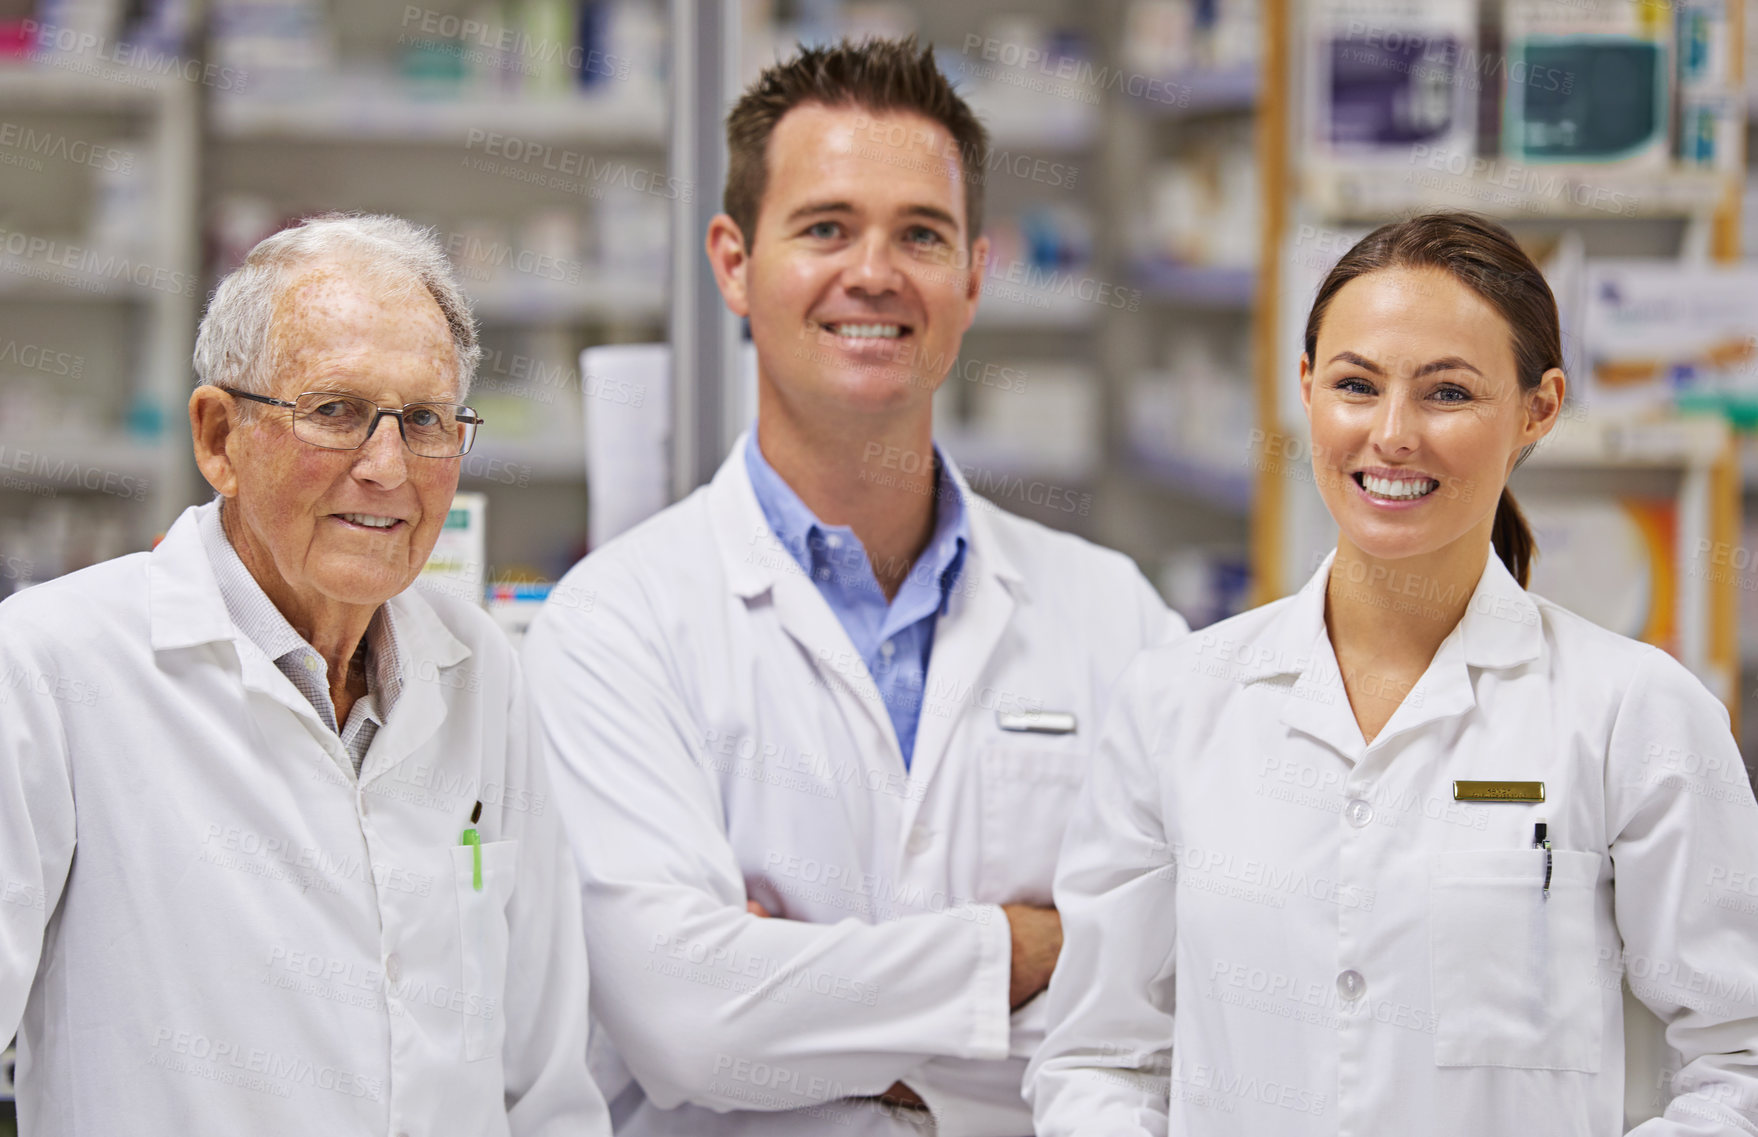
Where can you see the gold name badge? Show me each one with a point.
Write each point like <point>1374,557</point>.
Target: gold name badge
<point>1498,791</point>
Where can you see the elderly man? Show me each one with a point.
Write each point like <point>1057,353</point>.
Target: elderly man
<point>277,849</point>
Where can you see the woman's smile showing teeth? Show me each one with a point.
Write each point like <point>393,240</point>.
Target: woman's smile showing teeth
<point>1400,488</point>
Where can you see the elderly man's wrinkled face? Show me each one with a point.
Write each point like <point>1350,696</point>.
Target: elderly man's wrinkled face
<point>348,526</point>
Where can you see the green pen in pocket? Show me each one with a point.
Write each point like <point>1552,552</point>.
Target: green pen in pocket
<point>472,839</point>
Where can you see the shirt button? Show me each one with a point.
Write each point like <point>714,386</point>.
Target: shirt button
<point>1351,985</point>
<point>1358,812</point>
<point>313,664</point>
<point>887,649</point>
<point>834,541</point>
<point>394,967</point>
<point>919,841</point>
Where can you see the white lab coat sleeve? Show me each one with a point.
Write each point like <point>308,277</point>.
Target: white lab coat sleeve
<point>1104,1065</point>
<point>36,803</point>
<point>695,992</point>
<point>549,1091</point>
<point>1684,832</point>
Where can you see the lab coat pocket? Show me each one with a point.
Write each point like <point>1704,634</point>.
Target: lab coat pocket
<point>1513,969</point>
<point>1028,794</point>
<point>482,926</point>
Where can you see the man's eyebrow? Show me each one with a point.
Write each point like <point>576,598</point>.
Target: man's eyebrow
<point>823,208</point>
<point>819,207</point>
<point>933,213</point>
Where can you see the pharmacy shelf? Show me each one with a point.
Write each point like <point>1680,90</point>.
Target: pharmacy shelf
<point>1509,190</point>
<point>536,303</point>
<point>73,85</point>
<point>26,278</point>
<point>367,108</point>
<point>69,463</point>
<point>1202,91</point>
<point>1196,286</point>
<point>514,462</point>
<point>1577,443</point>
<point>1014,307</point>
<point>1049,126</point>
<point>1200,478</point>
<point>1000,457</point>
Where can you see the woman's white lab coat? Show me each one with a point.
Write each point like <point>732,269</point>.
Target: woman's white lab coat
<point>1274,927</point>
<point>209,925</point>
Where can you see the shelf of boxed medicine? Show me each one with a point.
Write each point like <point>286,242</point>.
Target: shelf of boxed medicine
<point>1693,527</point>
<point>515,462</point>
<point>1201,91</point>
<point>69,270</point>
<point>615,295</point>
<point>1674,443</point>
<point>1225,489</point>
<point>48,85</point>
<point>1196,286</point>
<point>366,108</point>
<point>1451,180</point>
<point>1027,307</point>
<point>1034,121</point>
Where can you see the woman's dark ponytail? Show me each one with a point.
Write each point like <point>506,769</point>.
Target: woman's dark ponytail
<point>1512,538</point>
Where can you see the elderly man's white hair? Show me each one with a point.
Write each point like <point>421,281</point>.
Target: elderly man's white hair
<point>397,257</point>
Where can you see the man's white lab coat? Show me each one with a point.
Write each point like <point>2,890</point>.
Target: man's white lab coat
<point>717,738</point>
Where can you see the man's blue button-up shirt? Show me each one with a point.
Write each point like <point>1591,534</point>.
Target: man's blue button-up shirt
<point>895,638</point>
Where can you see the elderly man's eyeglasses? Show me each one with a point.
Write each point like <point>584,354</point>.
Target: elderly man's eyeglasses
<point>335,421</point>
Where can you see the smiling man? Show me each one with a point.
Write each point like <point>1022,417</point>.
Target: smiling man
<point>273,827</point>
<point>817,732</point>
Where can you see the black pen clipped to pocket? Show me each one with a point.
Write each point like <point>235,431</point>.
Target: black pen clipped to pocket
<point>1541,840</point>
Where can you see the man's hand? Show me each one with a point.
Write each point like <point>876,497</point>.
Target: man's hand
<point>1037,941</point>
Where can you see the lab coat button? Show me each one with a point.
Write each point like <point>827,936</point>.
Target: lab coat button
<point>1358,812</point>
<point>1351,985</point>
<point>919,841</point>
<point>394,967</point>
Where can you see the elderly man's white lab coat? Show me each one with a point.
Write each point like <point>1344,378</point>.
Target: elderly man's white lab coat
<point>1274,927</point>
<point>209,926</point>
<point>719,739</point>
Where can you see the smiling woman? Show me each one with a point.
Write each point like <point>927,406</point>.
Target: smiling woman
<point>1490,276</point>
<point>1461,764</point>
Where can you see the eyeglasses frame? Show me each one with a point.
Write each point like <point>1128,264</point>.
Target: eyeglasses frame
<point>470,417</point>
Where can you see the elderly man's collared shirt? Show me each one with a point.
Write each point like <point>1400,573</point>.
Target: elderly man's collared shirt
<point>265,626</point>
<point>895,637</point>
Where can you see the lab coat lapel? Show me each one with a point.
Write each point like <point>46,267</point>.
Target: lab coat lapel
<point>1294,658</point>
<point>1500,629</point>
<point>755,563</point>
<point>1315,703</point>
<point>187,610</point>
<point>430,653</point>
<point>979,609</point>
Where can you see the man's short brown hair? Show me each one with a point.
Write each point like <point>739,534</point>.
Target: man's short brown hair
<point>877,75</point>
